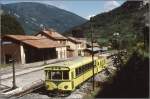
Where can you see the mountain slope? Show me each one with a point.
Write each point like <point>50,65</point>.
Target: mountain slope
<point>128,20</point>
<point>33,16</point>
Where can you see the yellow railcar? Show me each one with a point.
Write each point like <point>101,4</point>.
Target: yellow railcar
<point>66,76</point>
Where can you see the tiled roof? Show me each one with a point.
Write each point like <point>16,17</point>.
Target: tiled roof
<point>74,39</point>
<point>34,41</point>
<point>94,49</point>
<point>53,34</point>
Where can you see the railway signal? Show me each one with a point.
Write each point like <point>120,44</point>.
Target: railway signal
<point>14,77</point>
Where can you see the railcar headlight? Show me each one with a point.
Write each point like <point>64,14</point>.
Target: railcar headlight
<point>66,87</point>
<point>47,86</point>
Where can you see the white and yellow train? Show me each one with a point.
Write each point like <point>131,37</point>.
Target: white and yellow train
<point>65,76</point>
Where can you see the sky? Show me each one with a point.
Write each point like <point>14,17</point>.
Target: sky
<point>83,8</point>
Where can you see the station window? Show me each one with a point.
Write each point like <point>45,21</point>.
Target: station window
<point>8,58</point>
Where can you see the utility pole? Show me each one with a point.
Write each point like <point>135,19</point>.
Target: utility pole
<point>14,77</point>
<point>92,52</point>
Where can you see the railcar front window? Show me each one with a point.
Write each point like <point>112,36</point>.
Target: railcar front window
<point>56,75</point>
<point>65,75</point>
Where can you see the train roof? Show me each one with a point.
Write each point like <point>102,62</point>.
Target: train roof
<point>72,63</point>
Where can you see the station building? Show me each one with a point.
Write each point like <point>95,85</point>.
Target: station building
<point>44,45</point>
<point>27,49</point>
<point>52,35</point>
<point>75,46</point>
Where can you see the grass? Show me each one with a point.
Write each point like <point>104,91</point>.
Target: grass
<point>4,65</point>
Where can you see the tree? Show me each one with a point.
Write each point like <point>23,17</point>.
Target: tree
<point>9,25</point>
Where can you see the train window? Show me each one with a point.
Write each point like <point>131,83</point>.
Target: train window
<point>65,75</point>
<point>84,68</point>
<point>77,71</point>
<point>56,75</point>
<point>80,70</point>
<point>90,65</point>
<point>87,66</point>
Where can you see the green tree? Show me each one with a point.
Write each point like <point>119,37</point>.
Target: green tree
<point>9,25</point>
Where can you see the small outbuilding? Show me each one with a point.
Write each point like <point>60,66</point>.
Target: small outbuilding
<point>96,51</point>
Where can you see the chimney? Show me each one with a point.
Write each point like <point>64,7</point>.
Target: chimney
<point>44,28</point>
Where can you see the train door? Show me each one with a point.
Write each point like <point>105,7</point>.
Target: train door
<point>72,79</point>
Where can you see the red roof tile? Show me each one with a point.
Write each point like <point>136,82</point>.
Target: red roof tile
<point>34,41</point>
<point>53,34</point>
<point>74,40</point>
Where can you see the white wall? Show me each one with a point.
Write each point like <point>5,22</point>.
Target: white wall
<point>22,55</point>
<point>61,52</point>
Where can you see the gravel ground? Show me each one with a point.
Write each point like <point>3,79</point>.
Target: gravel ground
<point>23,80</point>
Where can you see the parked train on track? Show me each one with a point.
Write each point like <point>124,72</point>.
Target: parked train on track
<point>64,77</point>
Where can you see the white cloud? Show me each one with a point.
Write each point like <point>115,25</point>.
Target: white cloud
<point>89,16</point>
<point>109,5</point>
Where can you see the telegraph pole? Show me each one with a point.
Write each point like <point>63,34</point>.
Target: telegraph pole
<point>92,52</point>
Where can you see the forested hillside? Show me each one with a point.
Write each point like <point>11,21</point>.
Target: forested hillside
<point>9,25</point>
<point>34,16</point>
<point>128,20</point>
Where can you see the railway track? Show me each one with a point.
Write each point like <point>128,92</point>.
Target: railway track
<point>21,91</point>
<point>37,88</point>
